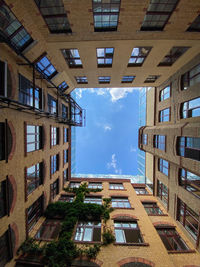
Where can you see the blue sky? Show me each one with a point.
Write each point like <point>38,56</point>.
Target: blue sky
<point>109,142</point>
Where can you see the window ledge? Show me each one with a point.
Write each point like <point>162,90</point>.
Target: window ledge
<point>118,189</point>
<point>132,244</point>
<point>182,251</point>
<point>118,208</point>
<point>87,242</point>
<point>158,214</point>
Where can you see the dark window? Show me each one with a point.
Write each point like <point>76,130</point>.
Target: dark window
<point>104,79</point>
<point>159,141</point>
<point>189,181</point>
<point>65,156</point>
<point>171,239</point>
<point>118,202</point>
<point>64,112</point>
<point>164,115</point>
<point>52,105</point>
<point>141,191</point>
<point>105,57</point>
<point>5,79</point>
<point>106,15</point>
<point>72,58</point>
<point>190,108</point>
<point>163,166</point>
<point>54,188</point>
<point>74,184</point>
<point>173,55</point>
<point>6,249</point>
<point>33,138</point>
<point>190,78</point>
<point>81,79</point>
<point>34,212</point>
<point>116,186</point>
<point>151,78</point>
<point>138,56</point>
<point>152,208</point>
<point>66,198</point>
<point>5,141</point>
<point>12,29</point>
<point>48,230</point>
<point>6,197</point>
<point>188,147</point>
<point>144,139</point>
<point>195,26</point>
<point>165,93</point>
<point>44,65</point>
<point>88,232</point>
<point>162,193</point>
<point>93,200</point>
<point>95,185</point>
<point>158,14</point>
<point>127,232</point>
<point>188,218</point>
<point>54,15</point>
<point>34,177</point>
<point>65,176</point>
<point>66,134</point>
<point>63,87</point>
<point>54,136</point>
<point>54,163</point>
<point>2,141</point>
<point>128,79</point>
<point>28,95</point>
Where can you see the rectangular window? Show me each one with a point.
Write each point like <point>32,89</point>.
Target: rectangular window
<point>106,15</point>
<point>64,112</point>
<point>72,58</point>
<point>95,185</point>
<point>65,176</point>
<point>118,202</point>
<point>190,108</point>
<point>173,55</point>
<point>88,232</point>
<point>52,105</point>
<point>159,142</point>
<point>105,57</point>
<point>74,184</point>
<point>49,230</point>
<point>65,156</point>
<point>3,199</point>
<point>144,139</point>
<point>44,66</point>
<point>93,200</point>
<point>188,147</point>
<point>13,29</point>
<point>34,212</point>
<point>152,208</point>
<point>127,232</point>
<point>33,138</point>
<point>66,198</point>
<point>34,177</point>
<point>141,191</point>
<point>54,163</point>
<point>2,141</point>
<point>104,79</point>
<point>6,250</point>
<point>190,78</point>
<point>54,15</point>
<point>81,79</point>
<point>162,193</point>
<point>165,93</point>
<point>189,181</point>
<point>151,78</point>
<point>188,218</point>
<point>138,56</point>
<point>158,14</point>
<point>54,188</point>
<point>63,87</point>
<point>66,135</point>
<point>54,136</point>
<point>195,26</point>
<point>128,79</point>
<point>163,166</point>
<point>164,115</point>
<point>116,186</point>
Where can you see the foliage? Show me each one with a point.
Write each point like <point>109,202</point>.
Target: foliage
<point>30,245</point>
<point>108,237</point>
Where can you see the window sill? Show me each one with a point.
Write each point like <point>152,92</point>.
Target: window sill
<point>182,251</point>
<point>132,244</point>
<point>158,214</point>
<point>118,189</point>
<point>118,208</point>
<point>87,242</point>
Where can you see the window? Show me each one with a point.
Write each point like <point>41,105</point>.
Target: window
<point>120,202</point>
<point>6,250</point>
<point>54,136</point>
<point>144,139</point>
<point>158,14</point>
<point>44,66</point>
<point>74,184</point>
<point>164,115</point>
<point>65,135</point>
<point>151,78</point>
<point>164,93</point>
<point>128,79</point>
<point>190,108</point>
<point>34,212</point>
<point>13,29</point>
<point>54,188</point>
<point>49,230</point>
<point>116,186</point>
<point>2,141</point>
<point>64,112</point>
<point>106,15</point>
<point>54,163</point>
<point>72,58</point>
<point>190,181</point>
<point>188,147</point>
<point>65,156</point>
<point>159,141</point>
<point>33,138</point>
<point>81,79</point>
<point>6,83</point>
<point>173,55</point>
<point>95,185</point>
<point>162,193</point>
<point>88,232</point>
<point>171,239</point>
<point>188,218</point>
<point>65,176</point>
<point>34,177</point>
<point>93,200</point>
<point>104,79</point>
<point>195,26</point>
<point>54,15</point>
<point>163,166</point>
<point>63,87</point>
<point>138,56</point>
<point>141,191</point>
<point>6,197</point>
<point>190,78</point>
<point>105,57</point>
<point>127,232</point>
<point>5,140</point>
<point>152,208</point>
<point>66,198</point>
<point>52,105</point>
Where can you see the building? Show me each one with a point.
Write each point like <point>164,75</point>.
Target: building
<point>48,51</point>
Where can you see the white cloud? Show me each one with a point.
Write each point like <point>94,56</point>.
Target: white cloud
<point>113,164</point>
<point>107,128</point>
<point>133,149</point>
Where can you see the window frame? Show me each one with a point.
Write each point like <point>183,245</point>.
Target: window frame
<point>164,114</point>
<point>171,57</point>
<point>128,79</point>
<point>38,140</point>
<point>163,164</point>
<point>65,176</point>
<point>95,185</point>
<point>163,94</point>
<point>106,57</point>
<point>73,184</point>
<point>152,78</point>
<point>65,156</point>
<point>188,79</point>
<point>65,135</point>
<point>152,206</point>
<point>162,192</point>
<point>116,186</point>
<point>195,25</point>
<point>54,188</point>
<point>36,209</point>
<point>140,190</point>
<point>187,183</point>
<point>159,142</point>
<point>121,202</point>
<point>185,150</point>
<point>185,108</point>
<point>54,136</point>
<point>104,79</point>
<point>54,163</point>
<point>144,139</point>
<point>6,250</point>
<point>48,223</point>
<point>81,225</point>
<point>139,57</point>
<point>72,57</point>
<point>45,67</point>
<point>93,200</point>
<point>52,105</point>
<point>37,180</point>
<point>81,79</point>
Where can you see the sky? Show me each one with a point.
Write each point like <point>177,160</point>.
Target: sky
<point>108,144</point>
